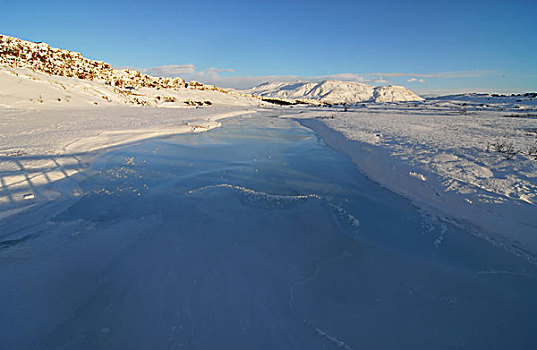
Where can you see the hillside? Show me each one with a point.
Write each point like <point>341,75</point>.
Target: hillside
<point>18,53</point>
<point>333,91</point>
<point>40,76</point>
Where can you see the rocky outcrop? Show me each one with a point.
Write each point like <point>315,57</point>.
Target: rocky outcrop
<point>41,57</point>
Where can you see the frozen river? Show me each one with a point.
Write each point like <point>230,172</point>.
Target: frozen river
<point>251,236</point>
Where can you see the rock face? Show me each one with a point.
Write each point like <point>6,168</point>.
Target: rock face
<point>334,92</point>
<point>41,57</point>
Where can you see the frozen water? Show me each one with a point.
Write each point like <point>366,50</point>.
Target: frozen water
<point>255,235</point>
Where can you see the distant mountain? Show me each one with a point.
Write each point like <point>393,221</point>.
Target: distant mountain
<point>333,91</point>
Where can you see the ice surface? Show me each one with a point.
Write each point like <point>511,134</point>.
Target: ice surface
<point>183,243</point>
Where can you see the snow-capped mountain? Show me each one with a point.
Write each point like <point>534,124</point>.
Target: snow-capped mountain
<point>334,91</point>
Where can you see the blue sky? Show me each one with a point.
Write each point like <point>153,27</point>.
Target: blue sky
<point>428,46</point>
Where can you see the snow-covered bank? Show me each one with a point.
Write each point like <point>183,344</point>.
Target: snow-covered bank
<point>40,147</point>
<point>446,162</point>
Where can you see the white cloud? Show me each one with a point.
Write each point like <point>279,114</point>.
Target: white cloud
<point>379,80</point>
<point>212,69</point>
<point>172,70</point>
<point>441,75</point>
<point>212,76</point>
<point>411,80</point>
